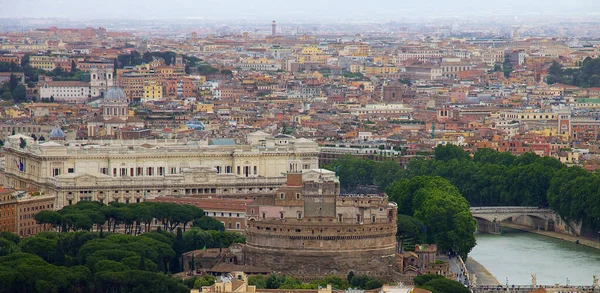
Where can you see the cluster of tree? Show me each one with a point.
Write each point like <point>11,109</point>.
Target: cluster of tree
<point>490,178</point>
<point>278,281</point>
<point>588,75</point>
<point>353,75</point>
<point>13,90</point>
<point>59,74</point>
<point>16,91</point>
<point>507,67</point>
<point>439,284</point>
<point>204,69</point>
<point>574,193</point>
<point>405,81</point>
<point>135,58</point>
<point>103,261</point>
<point>410,231</point>
<point>86,214</point>
<point>436,203</point>
<point>199,282</point>
<point>85,262</point>
<point>10,67</point>
<point>354,172</point>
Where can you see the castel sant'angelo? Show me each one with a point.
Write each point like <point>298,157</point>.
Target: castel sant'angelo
<point>309,228</point>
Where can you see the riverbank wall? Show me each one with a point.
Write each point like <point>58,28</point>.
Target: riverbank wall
<point>594,243</point>
<point>479,275</point>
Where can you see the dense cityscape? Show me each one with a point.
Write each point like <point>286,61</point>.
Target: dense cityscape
<point>361,153</point>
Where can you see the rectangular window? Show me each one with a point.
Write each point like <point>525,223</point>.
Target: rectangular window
<point>238,170</point>
<point>123,171</point>
<point>55,171</point>
<point>115,172</point>
<point>131,172</point>
<point>227,169</point>
<point>255,170</point>
<point>218,169</point>
<point>161,171</point>
<point>71,170</point>
<point>150,171</point>
<point>173,170</point>
<point>139,171</point>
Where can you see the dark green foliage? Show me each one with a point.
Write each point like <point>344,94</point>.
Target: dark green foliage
<point>440,206</point>
<point>189,282</point>
<point>422,279</point>
<point>365,282</point>
<point>405,81</point>
<point>207,70</point>
<point>507,67</point>
<point>10,67</point>
<point>10,236</point>
<point>488,178</point>
<point>195,239</point>
<point>179,248</point>
<point>205,280</point>
<point>443,285</point>
<point>588,75</point>
<point>208,223</point>
<point>354,75</point>
<point>135,58</point>
<point>259,281</point>
<point>278,281</point>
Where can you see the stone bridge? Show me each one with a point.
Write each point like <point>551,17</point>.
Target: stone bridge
<point>489,218</point>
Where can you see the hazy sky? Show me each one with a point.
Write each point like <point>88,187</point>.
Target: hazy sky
<point>287,10</point>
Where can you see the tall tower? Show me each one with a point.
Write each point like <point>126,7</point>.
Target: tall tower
<point>273,28</point>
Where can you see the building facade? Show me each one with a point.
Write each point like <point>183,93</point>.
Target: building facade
<point>133,170</point>
<point>18,208</point>
<point>308,228</point>
<point>65,91</point>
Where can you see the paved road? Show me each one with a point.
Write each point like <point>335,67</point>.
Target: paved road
<point>455,268</point>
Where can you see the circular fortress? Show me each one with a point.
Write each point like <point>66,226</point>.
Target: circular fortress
<point>310,229</point>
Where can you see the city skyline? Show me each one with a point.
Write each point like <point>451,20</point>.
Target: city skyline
<point>308,10</point>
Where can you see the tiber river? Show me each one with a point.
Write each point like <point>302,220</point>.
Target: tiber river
<point>516,255</point>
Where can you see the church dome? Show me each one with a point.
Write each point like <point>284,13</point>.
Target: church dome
<point>115,95</point>
<point>57,133</point>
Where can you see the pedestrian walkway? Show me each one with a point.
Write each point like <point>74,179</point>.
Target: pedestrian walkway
<point>455,267</point>
<point>483,276</point>
<point>582,240</point>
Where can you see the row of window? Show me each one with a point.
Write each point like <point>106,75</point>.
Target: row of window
<point>217,214</point>
<point>18,129</point>
<point>89,198</point>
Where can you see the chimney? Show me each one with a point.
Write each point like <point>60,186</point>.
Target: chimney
<point>294,179</point>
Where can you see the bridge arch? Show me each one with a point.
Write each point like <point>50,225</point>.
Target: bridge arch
<point>489,219</point>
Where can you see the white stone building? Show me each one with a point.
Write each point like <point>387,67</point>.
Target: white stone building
<point>132,170</point>
<point>65,91</point>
